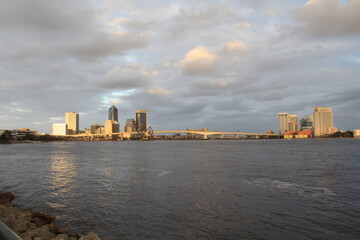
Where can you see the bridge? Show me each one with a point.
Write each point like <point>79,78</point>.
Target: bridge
<point>205,134</point>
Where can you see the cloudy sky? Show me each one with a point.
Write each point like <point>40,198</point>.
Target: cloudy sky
<point>225,65</point>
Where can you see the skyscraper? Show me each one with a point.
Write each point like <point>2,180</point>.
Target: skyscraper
<point>141,120</point>
<point>323,121</point>
<point>113,114</point>
<point>306,123</point>
<point>283,123</point>
<point>72,121</point>
<point>292,122</point>
<point>129,125</point>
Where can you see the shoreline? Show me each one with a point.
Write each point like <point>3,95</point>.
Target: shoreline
<point>32,225</point>
<point>180,139</point>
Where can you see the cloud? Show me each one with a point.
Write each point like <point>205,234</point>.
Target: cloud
<point>157,91</point>
<point>71,29</point>
<point>329,18</point>
<point>128,76</point>
<point>202,60</point>
<point>106,44</point>
<point>233,47</point>
<point>243,24</point>
<point>198,60</point>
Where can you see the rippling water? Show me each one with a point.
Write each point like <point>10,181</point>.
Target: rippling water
<point>271,189</point>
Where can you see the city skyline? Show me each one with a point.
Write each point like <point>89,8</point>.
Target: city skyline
<point>224,65</point>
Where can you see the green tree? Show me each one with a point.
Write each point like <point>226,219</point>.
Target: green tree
<point>6,136</point>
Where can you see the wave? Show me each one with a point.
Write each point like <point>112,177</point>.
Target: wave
<point>303,190</point>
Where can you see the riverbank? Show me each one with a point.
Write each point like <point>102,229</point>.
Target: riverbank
<point>31,225</point>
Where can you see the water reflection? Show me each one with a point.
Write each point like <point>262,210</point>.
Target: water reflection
<point>62,182</point>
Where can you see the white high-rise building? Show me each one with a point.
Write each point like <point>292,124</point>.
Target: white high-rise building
<point>323,121</point>
<point>283,123</point>
<point>59,129</point>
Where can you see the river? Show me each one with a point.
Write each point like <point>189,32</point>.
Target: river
<point>230,189</point>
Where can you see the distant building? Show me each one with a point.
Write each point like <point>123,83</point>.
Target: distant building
<point>298,134</point>
<point>198,130</point>
<point>323,121</point>
<point>192,135</point>
<point>141,117</point>
<point>356,133</point>
<point>72,121</point>
<point>93,127</point>
<point>292,122</point>
<point>111,126</point>
<point>269,132</point>
<point>113,114</point>
<point>59,129</point>
<point>287,122</point>
<point>283,123</point>
<point>87,131</point>
<point>129,125</point>
<point>307,123</point>
<point>100,130</point>
<point>22,132</point>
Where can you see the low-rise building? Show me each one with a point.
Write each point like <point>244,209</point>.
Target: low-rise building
<point>270,132</point>
<point>356,133</point>
<point>100,130</point>
<point>59,129</point>
<point>111,126</point>
<point>298,134</point>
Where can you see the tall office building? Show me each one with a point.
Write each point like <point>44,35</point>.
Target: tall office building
<point>113,114</point>
<point>129,125</point>
<point>283,123</point>
<point>323,121</point>
<point>292,122</point>
<point>141,117</point>
<point>306,123</point>
<point>72,121</point>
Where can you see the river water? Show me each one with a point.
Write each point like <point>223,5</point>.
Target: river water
<point>244,189</point>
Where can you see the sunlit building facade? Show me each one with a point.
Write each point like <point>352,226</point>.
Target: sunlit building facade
<point>283,123</point>
<point>72,121</point>
<point>59,129</point>
<point>323,121</point>
<point>129,125</point>
<point>141,117</point>
<point>94,127</point>
<point>292,122</point>
<point>111,126</point>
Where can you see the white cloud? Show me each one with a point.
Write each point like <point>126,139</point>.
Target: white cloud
<point>158,91</point>
<point>198,60</point>
<point>233,47</point>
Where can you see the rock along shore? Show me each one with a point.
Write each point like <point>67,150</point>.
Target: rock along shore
<point>31,225</point>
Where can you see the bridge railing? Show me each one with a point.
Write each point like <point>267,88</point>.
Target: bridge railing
<point>6,233</point>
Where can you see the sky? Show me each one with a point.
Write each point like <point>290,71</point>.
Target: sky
<point>224,65</point>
